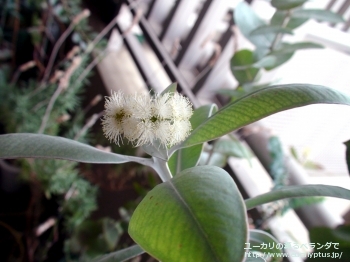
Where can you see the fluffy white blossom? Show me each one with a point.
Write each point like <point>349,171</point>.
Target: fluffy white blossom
<point>161,106</point>
<point>181,107</point>
<point>115,113</point>
<point>143,119</point>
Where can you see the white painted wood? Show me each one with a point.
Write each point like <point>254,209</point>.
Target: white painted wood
<point>181,23</point>
<point>214,15</point>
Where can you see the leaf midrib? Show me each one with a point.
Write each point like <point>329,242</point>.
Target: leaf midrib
<point>201,230</point>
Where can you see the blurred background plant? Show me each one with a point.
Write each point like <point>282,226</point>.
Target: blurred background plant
<point>47,51</point>
<point>271,49</point>
<point>270,41</point>
<point>279,174</point>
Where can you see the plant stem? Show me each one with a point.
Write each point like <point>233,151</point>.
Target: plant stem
<point>49,109</point>
<point>94,62</point>
<point>18,238</point>
<point>161,167</point>
<point>211,152</point>
<point>98,38</point>
<point>63,84</point>
<point>173,149</point>
<point>57,46</point>
<point>280,35</point>
<point>89,124</point>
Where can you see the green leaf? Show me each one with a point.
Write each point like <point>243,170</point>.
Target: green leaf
<point>235,93</point>
<point>121,255</point>
<point>213,159</point>
<point>26,145</point>
<point>268,244</point>
<point>196,216</point>
<point>268,29</point>
<point>247,21</point>
<point>242,90</point>
<point>319,14</point>
<point>279,16</point>
<point>112,231</point>
<point>270,62</point>
<point>287,4</point>
<point>277,167</point>
<point>259,104</point>
<point>295,154</point>
<point>290,48</point>
<point>86,237</point>
<point>232,147</point>
<point>170,89</point>
<point>347,154</point>
<point>298,191</point>
<point>279,59</point>
<point>184,158</point>
<point>202,113</point>
<point>243,58</point>
<point>189,157</point>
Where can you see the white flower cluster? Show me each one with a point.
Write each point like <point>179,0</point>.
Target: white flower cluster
<point>143,119</point>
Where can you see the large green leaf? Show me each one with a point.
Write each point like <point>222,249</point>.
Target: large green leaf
<point>26,145</point>
<point>241,66</point>
<point>290,48</point>
<point>259,104</point>
<point>287,4</point>
<point>247,21</point>
<point>281,55</point>
<point>298,191</point>
<point>189,157</point>
<point>121,255</point>
<point>270,62</point>
<point>198,215</point>
<point>293,22</point>
<point>319,14</point>
<point>268,29</point>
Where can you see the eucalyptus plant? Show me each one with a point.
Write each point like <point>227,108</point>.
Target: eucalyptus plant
<point>197,213</point>
<point>271,49</point>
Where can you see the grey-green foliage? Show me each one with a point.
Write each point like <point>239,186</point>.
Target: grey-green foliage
<point>279,174</point>
<point>271,50</point>
<point>218,153</point>
<point>278,170</point>
<point>92,238</point>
